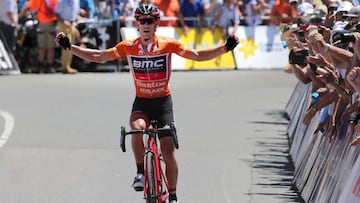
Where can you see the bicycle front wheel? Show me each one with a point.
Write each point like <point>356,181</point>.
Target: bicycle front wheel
<point>151,179</point>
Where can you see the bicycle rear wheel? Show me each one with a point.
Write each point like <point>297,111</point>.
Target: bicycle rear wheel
<point>151,179</point>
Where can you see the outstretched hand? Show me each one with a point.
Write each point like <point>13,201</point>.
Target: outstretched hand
<point>63,40</point>
<point>231,42</point>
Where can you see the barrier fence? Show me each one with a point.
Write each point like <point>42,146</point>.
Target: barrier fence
<point>8,64</point>
<point>324,171</point>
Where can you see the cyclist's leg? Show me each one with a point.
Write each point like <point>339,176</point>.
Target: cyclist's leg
<point>167,147</point>
<point>168,152</point>
<point>138,121</point>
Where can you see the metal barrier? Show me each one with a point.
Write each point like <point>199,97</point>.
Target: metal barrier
<point>324,171</point>
<point>8,64</point>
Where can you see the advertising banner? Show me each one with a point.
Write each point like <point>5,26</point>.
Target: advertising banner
<point>8,64</point>
<point>351,191</point>
<point>260,47</point>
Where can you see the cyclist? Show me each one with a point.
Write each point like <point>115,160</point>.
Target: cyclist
<point>150,57</point>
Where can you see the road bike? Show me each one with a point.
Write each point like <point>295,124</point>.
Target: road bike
<point>156,189</point>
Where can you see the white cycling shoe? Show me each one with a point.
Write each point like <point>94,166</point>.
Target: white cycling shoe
<point>138,184</point>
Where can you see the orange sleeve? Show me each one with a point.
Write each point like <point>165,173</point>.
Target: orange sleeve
<point>119,50</point>
<point>179,48</point>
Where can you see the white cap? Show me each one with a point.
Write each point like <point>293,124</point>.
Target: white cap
<point>305,9</point>
<point>344,6</point>
<point>354,12</point>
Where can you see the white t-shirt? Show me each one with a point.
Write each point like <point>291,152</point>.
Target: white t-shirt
<point>8,6</point>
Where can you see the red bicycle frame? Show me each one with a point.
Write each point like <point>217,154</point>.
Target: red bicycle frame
<point>160,178</point>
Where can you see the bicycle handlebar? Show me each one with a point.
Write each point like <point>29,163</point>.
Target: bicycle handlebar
<point>150,131</point>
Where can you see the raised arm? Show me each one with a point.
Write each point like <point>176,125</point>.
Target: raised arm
<point>207,54</point>
<point>84,53</point>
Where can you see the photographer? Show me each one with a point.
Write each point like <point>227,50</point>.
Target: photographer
<point>295,40</point>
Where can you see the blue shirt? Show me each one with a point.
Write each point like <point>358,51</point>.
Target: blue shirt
<point>88,5</point>
<point>188,9</point>
<point>68,9</point>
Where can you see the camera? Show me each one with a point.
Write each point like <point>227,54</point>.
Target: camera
<point>347,37</point>
<point>343,36</point>
<point>301,36</point>
<point>298,57</point>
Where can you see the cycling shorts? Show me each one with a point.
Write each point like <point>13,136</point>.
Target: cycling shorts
<point>160,109</point>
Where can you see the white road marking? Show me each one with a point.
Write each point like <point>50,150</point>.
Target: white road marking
<point>8,127</point>
<point>223,176</point>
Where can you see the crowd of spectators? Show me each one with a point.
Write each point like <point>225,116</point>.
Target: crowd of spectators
<point>176,13</point>
<point>323,42</point>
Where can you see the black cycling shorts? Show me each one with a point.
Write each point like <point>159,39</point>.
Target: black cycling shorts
<point>159,109</point>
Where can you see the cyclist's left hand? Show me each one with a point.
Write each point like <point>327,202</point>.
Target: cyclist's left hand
<point>231,42</point>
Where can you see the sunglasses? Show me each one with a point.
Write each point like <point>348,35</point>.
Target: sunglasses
<point>144,21</point>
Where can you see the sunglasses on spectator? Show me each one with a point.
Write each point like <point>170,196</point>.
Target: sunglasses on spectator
<point>144,21</point>
<point>341,13</point>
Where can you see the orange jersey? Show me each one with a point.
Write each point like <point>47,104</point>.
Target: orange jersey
<point>45,9</point>
<point>151,70</point>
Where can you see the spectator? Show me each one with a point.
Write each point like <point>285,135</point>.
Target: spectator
<point>45,14</point>
<point>281,12</point>
<point>343,8</point>
<point>227,16</point>
<point>338,59</point>
<point>191,15</point>
<point>87,9</point>
<point>21,5</point>
<point>293,6</point>
<point>67,12</point>
<point>332,6</point>
<point>255,11</point>
<point>352,18</point>
<point>124,9</point>
<point>305,10</point>
<point>169,8</point>
<point>8,23</point>
<point>103,9</point>
<point>211,8</point>
<point>353,78</point>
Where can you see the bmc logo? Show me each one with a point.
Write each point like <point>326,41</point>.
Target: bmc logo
<point>149,64</point>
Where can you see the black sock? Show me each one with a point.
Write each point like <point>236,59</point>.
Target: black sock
<point>172,195</point>
<point>140,168</point>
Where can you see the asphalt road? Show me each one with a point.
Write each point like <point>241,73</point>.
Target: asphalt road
<point>60,137</point>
